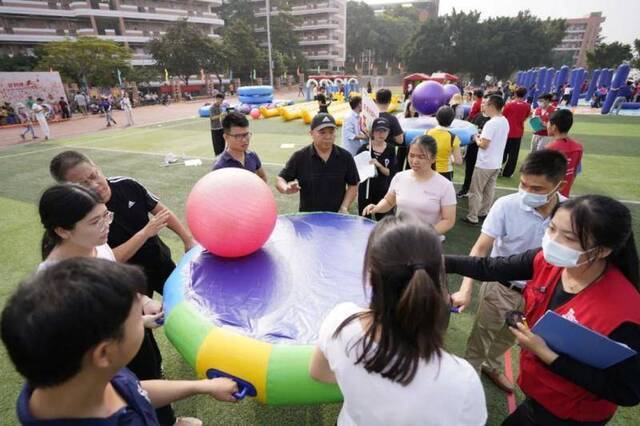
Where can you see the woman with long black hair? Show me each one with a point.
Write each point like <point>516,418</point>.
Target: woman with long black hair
<point>389,360</point>
<point>587,271</point>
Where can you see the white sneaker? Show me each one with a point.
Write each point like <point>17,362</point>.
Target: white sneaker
<point>188,421</point>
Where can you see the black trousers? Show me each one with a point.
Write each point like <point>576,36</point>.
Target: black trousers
<point>401,159</point>
<point>530,413</point>
<point>469,164</point>
<point>147,365</point>
<point>218,141</point>
<point>448,175</point>
<point>510,156</point>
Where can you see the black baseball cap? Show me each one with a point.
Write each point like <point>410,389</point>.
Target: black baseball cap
<point>380,123</point>
<point>322,120</point>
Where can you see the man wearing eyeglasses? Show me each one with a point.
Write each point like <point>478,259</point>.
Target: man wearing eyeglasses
<point>237,137</point>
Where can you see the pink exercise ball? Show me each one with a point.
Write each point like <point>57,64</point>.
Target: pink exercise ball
<point>428,96</point>
<point>255,113</point>
<point>231,212</point>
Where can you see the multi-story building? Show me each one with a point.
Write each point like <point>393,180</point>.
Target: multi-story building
<point>27,23</point>
<point>322,33</point>
<point>428,8</point>
<point>580,37</point>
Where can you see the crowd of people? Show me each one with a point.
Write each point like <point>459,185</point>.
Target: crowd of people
<point>89,352</point>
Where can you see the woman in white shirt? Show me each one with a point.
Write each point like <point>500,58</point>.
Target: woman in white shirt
<point>421,190</point>
<point>76,224</point>
<point>389,360</point>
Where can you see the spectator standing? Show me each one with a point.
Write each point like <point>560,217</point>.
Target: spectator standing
<point>540,138</point>
<point>81,101</point>
<point>491,148</point>
<point>352,135</point>
<point>125,104</point>
<point>516,112</point>
<point>39,110</point>
<point>216,114</point>
<point>471,152</point>
<point>448,143</point>
<point>64,109</point>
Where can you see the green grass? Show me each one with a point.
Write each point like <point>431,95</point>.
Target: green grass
<point>612,156</point>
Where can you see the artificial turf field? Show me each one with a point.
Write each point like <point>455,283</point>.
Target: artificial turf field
<point>612,159</point>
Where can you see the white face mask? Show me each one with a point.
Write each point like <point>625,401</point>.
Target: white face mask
<point>535,200</point>
<point>560,255</point>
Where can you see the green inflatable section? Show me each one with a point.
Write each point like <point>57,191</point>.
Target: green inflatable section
<point>288,380</point>
<point>186,328</point>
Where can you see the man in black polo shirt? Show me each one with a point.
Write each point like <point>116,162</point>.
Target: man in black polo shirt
<point>132,235</point>
<point>325,174</point>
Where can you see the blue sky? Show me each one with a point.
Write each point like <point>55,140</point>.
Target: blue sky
<point>621,15</point>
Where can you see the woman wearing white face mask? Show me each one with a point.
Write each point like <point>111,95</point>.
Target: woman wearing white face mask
<point>587,271</point>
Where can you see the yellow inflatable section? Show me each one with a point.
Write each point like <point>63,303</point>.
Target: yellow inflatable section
<point>293,112</point>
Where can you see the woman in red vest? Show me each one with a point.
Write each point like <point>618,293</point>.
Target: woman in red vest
<point>587,271</point>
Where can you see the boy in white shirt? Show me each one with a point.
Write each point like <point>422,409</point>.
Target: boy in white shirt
<point>491,145</point>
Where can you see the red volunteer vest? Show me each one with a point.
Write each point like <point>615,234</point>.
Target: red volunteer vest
<point>602,307</point>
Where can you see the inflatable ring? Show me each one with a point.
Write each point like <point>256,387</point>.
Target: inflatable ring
<point>256,99</point>
<point>255,90</point>
<point>255,319</point>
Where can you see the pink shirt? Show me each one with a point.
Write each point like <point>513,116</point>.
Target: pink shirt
<point>422,198</point>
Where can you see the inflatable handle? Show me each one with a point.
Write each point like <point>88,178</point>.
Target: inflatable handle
<point>245,387</point>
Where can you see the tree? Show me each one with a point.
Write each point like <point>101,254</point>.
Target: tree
<point>285,42</point>
<point>608,55</point>
<point>18,62</point>
<point>360,20</point>
<point>183,51</point>
<point>236,10</point>
<point>85,61</point>
<point>461,43</point>
<point>241,50</point>
<point>635,62</point>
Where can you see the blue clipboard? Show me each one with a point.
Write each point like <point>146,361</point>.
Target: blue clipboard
<point>579,342</point>
<point>536,124</point>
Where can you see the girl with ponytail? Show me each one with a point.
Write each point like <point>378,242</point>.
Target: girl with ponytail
<point>587,271</point>
<point>389,359</point>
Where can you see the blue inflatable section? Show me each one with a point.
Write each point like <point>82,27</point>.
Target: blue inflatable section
<point>619,80</point>
<point>203,111</point>
<point>419,125</point>
<point>630,105</point>
<point>255,99</point>
<point>255,90</point>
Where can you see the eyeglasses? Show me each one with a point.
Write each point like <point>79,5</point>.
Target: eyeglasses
<point>240,136</point>
<point>104,221</point>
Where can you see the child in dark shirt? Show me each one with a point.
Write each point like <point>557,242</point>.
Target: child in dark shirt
<point>383,156</point>
<point>70,330</point>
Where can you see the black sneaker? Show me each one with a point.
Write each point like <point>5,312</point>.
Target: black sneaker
<point>462,194</point>
<point>469,222</point>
